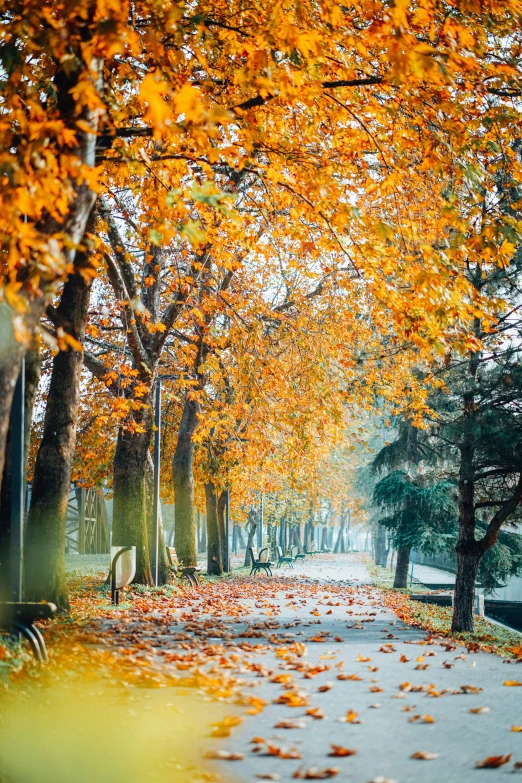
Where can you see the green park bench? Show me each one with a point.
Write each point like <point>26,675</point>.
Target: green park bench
<point>190,573</point>
<point>262,563</point>
<point>281,558</point>
<point>297,555</point>
<point>18,618</point>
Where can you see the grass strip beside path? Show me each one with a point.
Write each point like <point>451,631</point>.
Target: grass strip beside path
<point>487,635</point>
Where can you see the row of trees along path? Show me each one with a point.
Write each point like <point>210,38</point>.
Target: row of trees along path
<point>293,213</point>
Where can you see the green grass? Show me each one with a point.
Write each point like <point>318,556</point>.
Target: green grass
<point>487,635</point>
<point>383,577</point>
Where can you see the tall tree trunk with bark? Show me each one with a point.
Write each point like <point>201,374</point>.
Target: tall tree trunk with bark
<point>282,535</point>
<point>203,539</point>
<point>468,555</point>
<point>380,546</point>
<point>182,469</point>
<point>299,537</point>
<point>164,572</point>
<point>404,552</point>
<point>44,555</point>
<point>223,543</point>
<point>464,596</point>
<point>129,525</point>
<point>251,527</point>
<point>31,379</point>
<point>339,547</point>
<point>214,558</point>
<point>401,569</point>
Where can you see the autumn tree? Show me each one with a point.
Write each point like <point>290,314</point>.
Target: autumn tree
<point>348,124</point>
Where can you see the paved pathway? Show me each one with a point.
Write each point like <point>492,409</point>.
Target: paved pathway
<point>442,684</point>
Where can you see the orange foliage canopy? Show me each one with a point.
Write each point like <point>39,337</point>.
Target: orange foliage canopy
<point>365,120</point>
<point>307,171</point>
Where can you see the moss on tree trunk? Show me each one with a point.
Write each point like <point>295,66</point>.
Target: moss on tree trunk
<point>183,475</point>
<point>129,525</point>
<point>214,561</point>
<point>46,524</point>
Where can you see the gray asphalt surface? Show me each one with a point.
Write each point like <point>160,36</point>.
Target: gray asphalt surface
<point>386,736</point>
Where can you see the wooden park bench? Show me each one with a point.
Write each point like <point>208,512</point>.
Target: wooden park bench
<point>190,573</point>
<point>262,563</point>
<point>19,618</point>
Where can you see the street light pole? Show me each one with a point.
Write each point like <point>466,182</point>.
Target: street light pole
<point>156,497</point>
<point>16,548</point>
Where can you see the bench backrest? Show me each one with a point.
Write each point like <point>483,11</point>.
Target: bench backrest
<point>294,551</point>
<point>263,555</point>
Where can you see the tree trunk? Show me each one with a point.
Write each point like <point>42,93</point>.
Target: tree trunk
<point>464,597</point>
<point>203,540</point>
<point>32,377</point>
<point>380,546</point>
<point>300,537</point>
<point>467,549</point>
<point>282,535</point>
<point>252,528</point>
<point>223,543</point>
<point>44,556</point>
<point>182,469</point>
<point>164,573</point>
<point>339,544</point>
<point>214,559</point>
<point>129,526</point>
<point>240,539</point>
<point>401,570</point>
